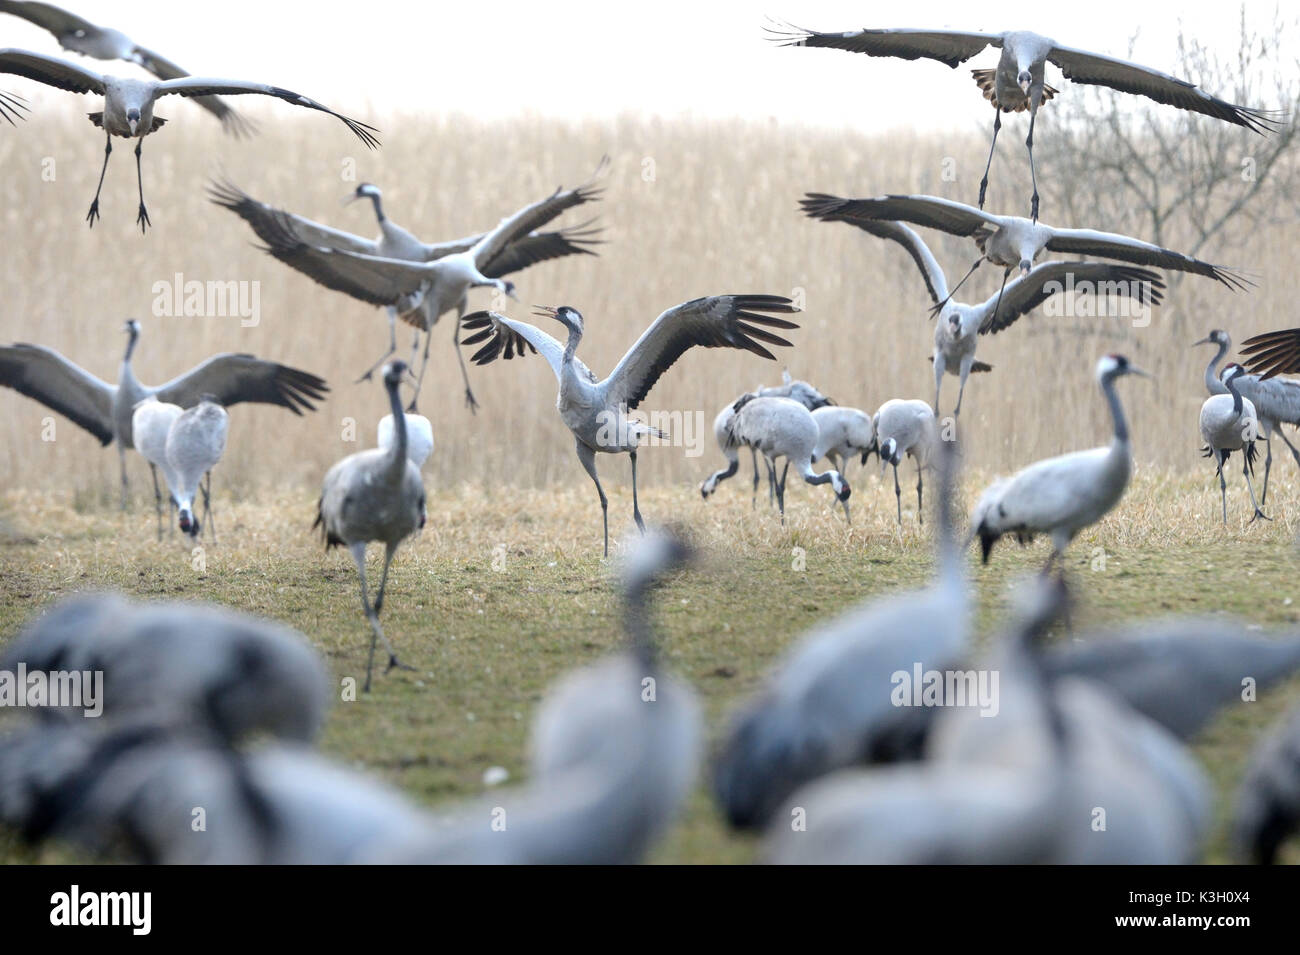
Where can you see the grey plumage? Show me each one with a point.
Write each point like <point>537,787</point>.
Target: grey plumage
<point>195,443</point>
<point>374,495</point>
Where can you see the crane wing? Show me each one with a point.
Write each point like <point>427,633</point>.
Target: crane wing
<point>163,68</point>
<point>540,247</point>
<point>198,86</point>
<point>49,17</point>
<point>269,222</point>
<point>1111,245</point>
<point>1053,278</point>
<point>1095,69</point>
<point>45,375</point>
<point>935,282</point>
<point>932,212</point>
<point>12,107</point>
<point>533,217</point>
<point>505,338</point>
<point>51,71</point>
<point>1272,353</point>
<point>719,321</point>
<point>232,378</point>
<point>370,278</point>
<point>951,47</point>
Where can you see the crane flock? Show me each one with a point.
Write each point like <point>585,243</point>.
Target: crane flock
<point>206,706</point>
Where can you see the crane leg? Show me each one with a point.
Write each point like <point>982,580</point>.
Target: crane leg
<point>754,500</point>
<point>938,307</point>
<point>121,454</point>
<point>961,389</point>
<point>1245,470</point>
<point>771,482</point>
<point>1294,453</point>
<point>93,214</point>
<point>1268,466</point>
<point>464,372</point>
<point>920,483</point>
<point>1006,274</point>
<point>780,487</point>
<point>142,217</point>
<point>392,346</point>
<point>588,459</point>
<point>1033,176</point>
<point>157,496</point>
<point>358,552</point>
<point>839,463</point>
<point>898,496</point>
<point>393,662</point>
<point>636,508</point>
<point>207,507</point>
<point>984,183</point>
<point>1223,486</point>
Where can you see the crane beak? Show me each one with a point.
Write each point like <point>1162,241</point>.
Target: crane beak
<point>1135,370</point>
<point>544,311</point>
<point>350,198</point>
<point>1203,341</point>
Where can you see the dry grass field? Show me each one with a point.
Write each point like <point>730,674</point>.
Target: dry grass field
<point>689,209</point>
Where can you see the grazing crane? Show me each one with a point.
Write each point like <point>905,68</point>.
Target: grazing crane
<point>150,423</point>
<point>830,702</point>
<point>129,103</point>
<point>843,433</point>
<point>419,436</point>
<point>105,410</point>
<point>1010,241</point>
<point>800,391</point>
<point>783,428</point>
<point>1179,672</point>
<point>955,330</point>
<point>906,427</point>
<point>419,282</point>
<point>1061,496</point>
<point>374,495</point>
<point>1229,423</point>
<point>102,43</point>
<point>194,446</point>
<point>1267,808</point>
<point>614,751</point>
<point>184,665</point>
<point>597,411</point>
<point>1018,83</point>
<point>1276,400</point>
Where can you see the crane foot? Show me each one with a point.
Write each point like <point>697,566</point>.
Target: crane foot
<point>93,214</point>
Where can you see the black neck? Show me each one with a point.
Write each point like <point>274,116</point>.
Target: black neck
<point>379,207</point>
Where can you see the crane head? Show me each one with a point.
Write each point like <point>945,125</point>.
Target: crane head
<point>188,522</point>
<point>507,288</point>
<point>133,120</point>
<point>841,486</point>
<point>367,190</point>
<point>1024,80</point>
<point>394,372</point>
<point>889,452</point>
<point>1114,366</point>
<point>1232,372</point>
<point>566,315</point>
<point>1216,337</point>
<point>132,328</point>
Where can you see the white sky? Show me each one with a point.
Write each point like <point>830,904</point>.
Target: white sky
<point>670,57</point>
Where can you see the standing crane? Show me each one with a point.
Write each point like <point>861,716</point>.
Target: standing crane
<point>596,411</point>
<point>129,103</point>
<point>1229,423</point>
<point>151,421</point>
<point>906,427</point>
<point>1018,83</point>
<point>843,433</point>
<point>374,495</point>
<point>1276,400</point>
<point>105,410</point>
<point>195,443</point>
<point>1061,496</point>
